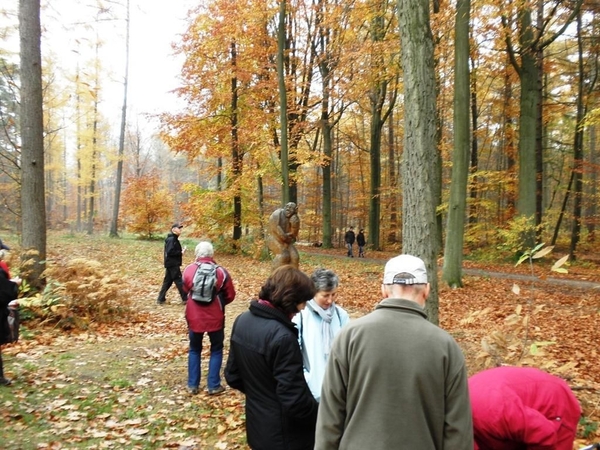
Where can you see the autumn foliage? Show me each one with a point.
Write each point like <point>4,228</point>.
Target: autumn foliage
<point>118,379</point>
<point>147,204</point>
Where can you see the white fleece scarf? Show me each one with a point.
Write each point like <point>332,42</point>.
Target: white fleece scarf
<point>326,329</point>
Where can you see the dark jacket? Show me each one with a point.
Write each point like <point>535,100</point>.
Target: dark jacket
<point>360,239</point>
<point>8,292</point>
<point>173,256</point>
<point>349,237</point>
<point>265,363</point>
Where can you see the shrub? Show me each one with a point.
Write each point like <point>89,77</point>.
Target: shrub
<point>78,293</point>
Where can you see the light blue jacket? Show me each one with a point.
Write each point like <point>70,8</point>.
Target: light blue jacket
<point>310,338</point>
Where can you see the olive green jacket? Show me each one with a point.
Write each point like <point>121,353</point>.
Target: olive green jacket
<point>395,381</point>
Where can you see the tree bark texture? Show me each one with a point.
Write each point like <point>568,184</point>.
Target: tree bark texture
<point>33,211</point>
<point>420,164</point>
<point>453,254</point>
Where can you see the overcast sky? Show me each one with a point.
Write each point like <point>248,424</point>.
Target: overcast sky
<point>153,70</point>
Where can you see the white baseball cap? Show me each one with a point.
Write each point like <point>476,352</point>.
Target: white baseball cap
<point>405,269</point>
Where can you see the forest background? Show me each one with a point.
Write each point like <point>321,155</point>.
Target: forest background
<point>314,102</point>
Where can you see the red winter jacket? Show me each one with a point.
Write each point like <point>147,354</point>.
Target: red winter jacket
<point>203,318</point>
<point>518,408</point>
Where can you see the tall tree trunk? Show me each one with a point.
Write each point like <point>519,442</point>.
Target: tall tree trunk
<point>420,166</point>
<point>578,148</point>
<point>592,206</point>
<point>377,95</point>
<point>393,181</point>
<point>529,102</point>
<point>530,71</point>
<point>236,157</point>
<point>375,160</point>
<point>473,192</point>
<point>325,64</point>
<point>285,170</point>
<point>453,253</point>
<point>114,224</point>
<point>327,153</point>
<point>33,211</point>
<point>92,185</point>
<point>506,210</point>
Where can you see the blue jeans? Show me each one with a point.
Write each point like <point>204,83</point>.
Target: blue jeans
<point>214,363</point>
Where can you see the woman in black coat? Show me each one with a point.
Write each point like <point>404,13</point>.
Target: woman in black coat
<point>265,363</point>
<point>8,292</point>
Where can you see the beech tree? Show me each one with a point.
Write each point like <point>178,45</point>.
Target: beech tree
<point>420,166</point>
<point>10,174</point>
<point>452,272</point>
<point>114,224</point>
<point>33,204</point>
<point>384,76</point>
<point>148,204</point>
<point>533,35</point>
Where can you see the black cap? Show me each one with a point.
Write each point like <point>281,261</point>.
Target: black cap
<point>3,247</point>
<point>177,225</point>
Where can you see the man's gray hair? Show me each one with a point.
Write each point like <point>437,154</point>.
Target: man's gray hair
<point>204,249</point>
<point>325,280</point>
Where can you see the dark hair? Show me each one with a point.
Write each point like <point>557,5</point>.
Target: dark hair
<point>286,288</point>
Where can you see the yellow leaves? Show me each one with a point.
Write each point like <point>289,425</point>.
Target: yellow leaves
<point>516,289</point>
<point>475,316</point>
<point>557,266</point>
<point>543,252</point>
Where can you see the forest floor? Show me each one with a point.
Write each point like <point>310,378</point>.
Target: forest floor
<point>123,386</point>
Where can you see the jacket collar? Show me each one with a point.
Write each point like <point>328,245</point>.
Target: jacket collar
<point>402,305</point>
<point>205,259</point>
<point>269,312</point>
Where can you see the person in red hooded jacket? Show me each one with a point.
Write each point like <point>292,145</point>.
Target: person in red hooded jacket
<point>206,318</point>
<point>522,408</point>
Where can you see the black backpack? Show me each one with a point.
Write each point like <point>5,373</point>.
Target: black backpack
<point>204,285</point>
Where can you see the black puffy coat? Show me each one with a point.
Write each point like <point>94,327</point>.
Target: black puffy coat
<point>8,292</point>
<point>265,363</point>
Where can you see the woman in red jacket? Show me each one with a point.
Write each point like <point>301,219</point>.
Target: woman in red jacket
<point>206,318</point>
<point>522,408</point>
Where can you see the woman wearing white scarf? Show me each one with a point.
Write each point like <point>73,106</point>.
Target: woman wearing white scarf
<point>317,325</point>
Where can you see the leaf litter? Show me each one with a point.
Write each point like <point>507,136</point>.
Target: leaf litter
<point>124,385</point>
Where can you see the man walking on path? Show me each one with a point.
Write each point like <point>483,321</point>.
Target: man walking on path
<point>394,380</point>
<point>173,258</point>
<point>349,238</point>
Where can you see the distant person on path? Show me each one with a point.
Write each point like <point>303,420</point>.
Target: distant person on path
<point>522,408</point>
<point>349,239</point>
<point>206,318</point>
<point>394,380</point>
<point>265,363</point>
<point>173,258</point>
<point>9,290</point>
<point>318,323</point>
<point>284,225</point>
<point>361,242</point>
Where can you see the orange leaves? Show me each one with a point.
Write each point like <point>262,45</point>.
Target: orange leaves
<point>147,204</point>
<point>123,385</point>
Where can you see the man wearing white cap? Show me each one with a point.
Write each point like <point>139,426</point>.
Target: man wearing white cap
<point>394,380</point>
